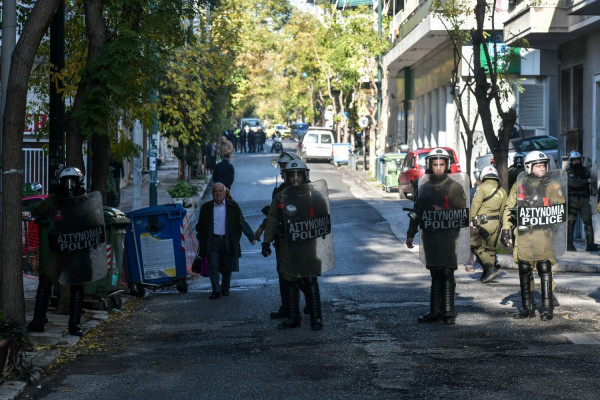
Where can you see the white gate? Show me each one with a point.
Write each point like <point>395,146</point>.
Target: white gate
<point>35,167</point>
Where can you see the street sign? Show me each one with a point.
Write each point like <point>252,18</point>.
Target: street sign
<point>363,122</point>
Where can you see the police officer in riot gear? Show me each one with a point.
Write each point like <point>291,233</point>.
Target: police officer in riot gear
<point>440,192</point>
<point>515,169</point>
<point>486,209</point>
<point>536,244</point>
<point>281,160</point>
<point>70,180</point>
<point>292,275</point>
<point>579,179</point>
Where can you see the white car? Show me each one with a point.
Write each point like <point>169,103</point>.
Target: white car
<point>317,144</point>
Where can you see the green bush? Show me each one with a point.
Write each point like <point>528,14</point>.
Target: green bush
<point>183,189</point>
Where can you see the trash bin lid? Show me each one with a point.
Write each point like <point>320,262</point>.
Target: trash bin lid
<point>114,216</point>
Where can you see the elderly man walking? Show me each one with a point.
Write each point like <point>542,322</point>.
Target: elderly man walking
<point>219,230</point>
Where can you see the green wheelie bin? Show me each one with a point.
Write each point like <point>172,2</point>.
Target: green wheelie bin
<point>391,163</point>
<point>106,291</point>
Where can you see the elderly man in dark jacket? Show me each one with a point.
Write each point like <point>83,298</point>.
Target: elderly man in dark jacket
<point>219,230</point>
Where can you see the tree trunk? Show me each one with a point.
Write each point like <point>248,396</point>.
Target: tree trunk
<point>13,124</point>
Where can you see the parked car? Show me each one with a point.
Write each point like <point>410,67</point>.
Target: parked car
<point>298,131</point>
<point>414,166</point>
<point>283,130</point>
<point>317,144</point>
<point>547,144</point>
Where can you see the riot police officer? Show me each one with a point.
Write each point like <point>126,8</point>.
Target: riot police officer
<point>281,161</point>
<point>438,191</point>
<point>539,198</point>
<point>515,169</point>
<point>299,261</point>
<point>579,179</point>
<point>486,207</point>
<point>70,179</point>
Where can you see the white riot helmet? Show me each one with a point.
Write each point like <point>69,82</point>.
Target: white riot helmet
<point>296,167</point>
<point>518,159</point>
<point>437,154</point>
<point>574,154</point>
<point>70,178</point>
<point>535,157</point>
<point>489,173</point>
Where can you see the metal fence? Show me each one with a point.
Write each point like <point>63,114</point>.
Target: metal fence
<point>35,167</point>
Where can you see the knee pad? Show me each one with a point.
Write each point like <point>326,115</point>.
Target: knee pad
<point>544,267</point>
<point>524,268</point>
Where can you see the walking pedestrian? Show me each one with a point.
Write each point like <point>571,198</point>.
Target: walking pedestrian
<point>219,230</point>
<point>224,172</point>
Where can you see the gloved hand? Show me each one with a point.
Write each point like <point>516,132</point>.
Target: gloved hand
<point>266,249</point>
<point>506,238</point>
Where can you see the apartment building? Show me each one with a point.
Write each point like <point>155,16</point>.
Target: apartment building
<point>420,109</point>
<point>567,36</point>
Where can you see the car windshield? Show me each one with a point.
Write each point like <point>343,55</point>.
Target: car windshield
<point>422,159</point>
<point>310,138</point>
<point>547,143</point>
<point>302,126</point>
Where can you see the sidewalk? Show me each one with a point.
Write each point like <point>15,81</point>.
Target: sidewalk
<point>56,339</point>
<point>579,261</point>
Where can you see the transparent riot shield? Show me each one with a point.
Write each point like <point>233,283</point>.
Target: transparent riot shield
<point>443,212</point>
<point>307,223</point>
<point>79,239</point>
<point>542,213</point>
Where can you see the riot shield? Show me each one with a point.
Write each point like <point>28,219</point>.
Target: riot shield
<point>307,224</point>
<point>79,239</point>
<point>443,211</point>
<point>541,232</point>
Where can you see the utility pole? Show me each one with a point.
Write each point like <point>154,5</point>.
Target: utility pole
<point>57,105</point>
<point>153,195</point>
<point>379,95</point>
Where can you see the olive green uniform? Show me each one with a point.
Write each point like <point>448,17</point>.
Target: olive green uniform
<point>533,247</point>
<point>528,239</point>
<point>513,173</point>
<point>487,207</point>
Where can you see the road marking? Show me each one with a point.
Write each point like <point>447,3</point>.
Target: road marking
<point>583,338</point>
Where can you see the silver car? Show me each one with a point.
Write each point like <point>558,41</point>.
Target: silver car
<point>547,144</point>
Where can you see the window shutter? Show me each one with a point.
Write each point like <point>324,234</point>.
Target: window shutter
<point>531,106</point>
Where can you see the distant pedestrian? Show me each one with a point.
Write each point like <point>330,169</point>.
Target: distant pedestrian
<point>219,230</point>
<point>224,172</point>
<point>118,174</point>
<point>226,147</point>
<point>211,156</point>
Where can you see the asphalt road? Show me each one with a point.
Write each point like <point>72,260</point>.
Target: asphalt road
<point>186,346</point>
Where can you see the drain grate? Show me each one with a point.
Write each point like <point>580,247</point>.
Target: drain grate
<point>583,338</point>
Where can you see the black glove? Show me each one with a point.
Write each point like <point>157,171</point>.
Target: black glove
<point>506,238</point>
<point>266,249</point>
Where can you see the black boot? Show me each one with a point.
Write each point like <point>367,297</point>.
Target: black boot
<point>570,230</point>
<point>75,310</point>
<point>41,304</point>
<point>293,318</point>
<point>589,239</point>
<point>448,294</point>
<point>313,299</point>
<point>489,273</point>
<point>435,298</point>
<point>279,314</point>
<point>528,308</point>
<point>545,272</point>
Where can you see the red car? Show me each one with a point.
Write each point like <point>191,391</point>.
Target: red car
<point>414,166</point>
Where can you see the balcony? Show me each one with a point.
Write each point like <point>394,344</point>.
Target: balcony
<point>546,23</point>
<point>585,7</point>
